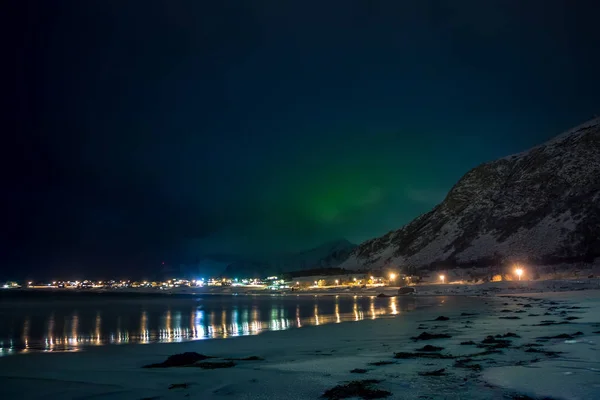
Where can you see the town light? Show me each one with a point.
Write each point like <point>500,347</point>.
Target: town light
<point>354,279</point>
<point>519,272</point>
<point>442,278</point>
<point>392,276</point>
<point>337,282</point>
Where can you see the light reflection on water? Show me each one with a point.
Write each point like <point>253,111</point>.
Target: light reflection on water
<point>62,327</point>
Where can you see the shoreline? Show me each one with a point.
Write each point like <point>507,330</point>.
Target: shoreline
<point>303,363</point>
<point>424,289</point>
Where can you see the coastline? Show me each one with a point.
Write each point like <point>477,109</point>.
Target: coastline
<point>424,289</point>
<point>303,363</point>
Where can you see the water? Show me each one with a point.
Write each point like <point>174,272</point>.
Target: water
<point>69,323</point>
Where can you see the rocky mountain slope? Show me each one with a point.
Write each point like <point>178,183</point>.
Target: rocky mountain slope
<point>542,205</point>
<point>328,255</point>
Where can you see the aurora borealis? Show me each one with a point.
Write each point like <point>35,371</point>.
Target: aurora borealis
<point>175,130</point>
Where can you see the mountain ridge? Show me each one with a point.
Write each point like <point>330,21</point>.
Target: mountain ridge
<point>327,255</point>
<point>540,205</point>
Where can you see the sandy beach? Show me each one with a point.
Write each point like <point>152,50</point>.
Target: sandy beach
<point>497,346</point>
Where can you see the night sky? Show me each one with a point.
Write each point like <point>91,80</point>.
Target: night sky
<point>146,131</point>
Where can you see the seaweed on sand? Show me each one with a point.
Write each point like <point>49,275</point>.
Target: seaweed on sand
<point>430,336</point>
<point>466,363</point>
<point>429,347</point>
<point>214,365</point>
<point>494,343</point>
<point>547,353</point>
<point>406,355</point>
<point>562,336</point>
<point>179,360</point>
<point>363,389</point>
<point>250,358</point>
<point>548,323</point>
<point>508,335</point>
<point>380,363</point>
<point>179,386</point>
<point>437,372</point>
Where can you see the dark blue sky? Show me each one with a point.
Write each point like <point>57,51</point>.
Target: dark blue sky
<point>140,131</point>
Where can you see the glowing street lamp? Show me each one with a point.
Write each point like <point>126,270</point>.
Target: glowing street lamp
<point>392,277</point>
<point>442,278</point>
<point>519,272</point>
<point>337,282</point>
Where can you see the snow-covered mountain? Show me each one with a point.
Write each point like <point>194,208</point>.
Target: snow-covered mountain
<point>542,205</point>
<point>328,255</point>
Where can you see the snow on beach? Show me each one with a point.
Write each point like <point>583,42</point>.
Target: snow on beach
<point>304,363</point>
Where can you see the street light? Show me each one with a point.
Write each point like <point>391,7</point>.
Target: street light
<point>442,278</point>
<point>337,282</point>
<point>519,272</point>
<point>392,276</point>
